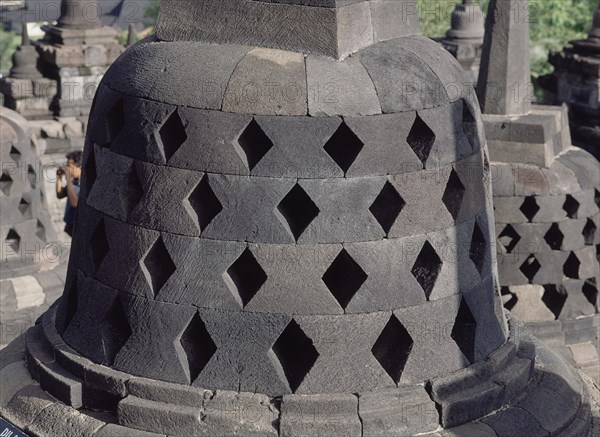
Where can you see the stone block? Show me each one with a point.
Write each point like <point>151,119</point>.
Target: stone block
<point>60,384</point>
<point>348,339</point>
<point>506,210</point>
<point>198,276</point>
<point>512,421</point>
<point>397,412</point>
<point>433,352</point>
<point>17,89</point>
<point>385,147</point>
<point>243,414</point>
<point>59,419</point>
<point>399,77</point>
<point>415,188</point>
<point>549,408</point>
<point>212,142</point>
<point>503,181</point>
<point>160,417</point>
<point>583,165</point>
<point>13,378</point>
<point>107,379</point>
<point>530,180</point>
<point>327,414</point>
<point>268,82</point>
<point>254,199</point>
<point>514,378</point>
<point>550,209</point>
<point>478,429</point>
<point>153,59</point>
<point>471,404</point>
<point>344,201</point>
<point>26,405</point>
<point>387,265</point>
<point>298,149</point>
<point>283,291</point>
<point>241,357</point>
<point>151,351</point>
<point>112,430</point>
<point>160,391</point>
<point>340,88</point>
<point>561,179</point>
<point>386,26</point>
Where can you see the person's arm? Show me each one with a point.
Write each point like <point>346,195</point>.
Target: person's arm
<point>71,192</point>
<point>61,192</point>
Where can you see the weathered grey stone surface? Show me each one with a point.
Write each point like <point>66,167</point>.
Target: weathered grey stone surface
<point>504,39</point>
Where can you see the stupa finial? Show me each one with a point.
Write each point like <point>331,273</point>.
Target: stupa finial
<point>504,86</point>
<point>79,14</point>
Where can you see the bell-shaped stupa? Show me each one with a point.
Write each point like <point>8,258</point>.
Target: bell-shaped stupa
<point>31,259</point>
<point>546,199</point>
<point>291,236</point>
<point>464,39</point>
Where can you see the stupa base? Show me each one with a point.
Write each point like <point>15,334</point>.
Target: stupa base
<point>521,389</point>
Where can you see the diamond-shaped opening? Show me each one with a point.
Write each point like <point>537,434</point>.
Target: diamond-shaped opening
<point>245,277</point>
<point>589,232</point>
<point>159,266</point>
<point>298,210</point>
<point>509,238</point>
<point>15,154</point>
<point>133,190</point>
<point>464,331</point>
<point>90,173</point>
<point>478,248</point>
<point>469,124</point>
<point>387,206</point>
<point>530,267</point>
<point>509,298</point>
<point>529,208</point>
<point>32,176</point>
<point>296,354</point>
<point>13,239</point>
<point>344,277</point>
<point>197,345</point>
<point>590,291</point>
<point>554,298</point>
<point>6,183</point>
<point>172,134</point>
<point>421,139</point>
<point>597,198</point>
<point>255,143</point>
<point>24,207</point>
<point>99,245</point>
<point>571,266</point>
<point>115,121</point>
<point>115,331</point>
<point>554,237</point>
<point>427,268</point>
<point>344,146</point>
<point>453,195</point>
<point>571,206</point>
<point>205,203</point>
<point>393,348</point>
<point>40,231</point>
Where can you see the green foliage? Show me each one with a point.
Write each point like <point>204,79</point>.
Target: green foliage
<point>152,11</point>
<point>8,43</point>
<point>553,23</point>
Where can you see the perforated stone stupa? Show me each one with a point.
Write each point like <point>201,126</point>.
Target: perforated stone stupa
<point>546,199</point>
<point>30,257</point>
<point>294,245</point>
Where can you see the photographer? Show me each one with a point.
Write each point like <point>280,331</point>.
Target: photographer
<point>71,174</point>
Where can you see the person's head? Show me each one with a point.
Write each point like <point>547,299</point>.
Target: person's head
<point>74,163</point>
